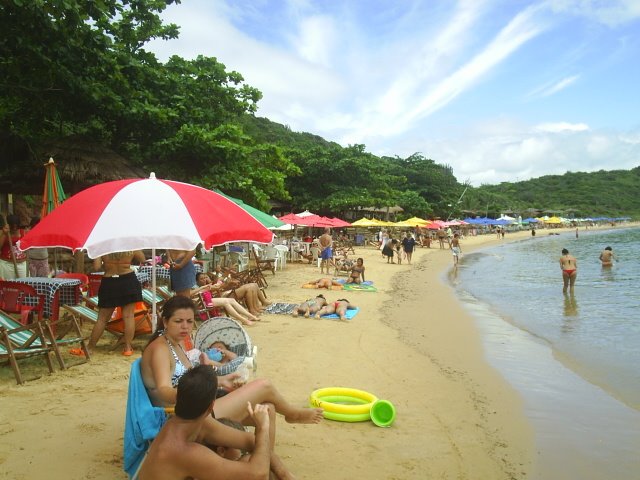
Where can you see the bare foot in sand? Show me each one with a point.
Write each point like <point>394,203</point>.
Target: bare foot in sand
<point>306,315</point>
<point>305,415</point>
<point>246,321</point>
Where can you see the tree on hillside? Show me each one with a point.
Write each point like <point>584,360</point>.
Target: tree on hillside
<point>79,68</point>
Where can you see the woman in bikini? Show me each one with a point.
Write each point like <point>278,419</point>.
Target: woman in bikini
<point>357,272</point>
<point>310,306</point>
<point>119,288</point>
<point>164,361</point>
<point>338,307</point>
<point>569,267</point>
<point>230,305</point>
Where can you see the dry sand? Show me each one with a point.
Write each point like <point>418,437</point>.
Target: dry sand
<point>411,343</point>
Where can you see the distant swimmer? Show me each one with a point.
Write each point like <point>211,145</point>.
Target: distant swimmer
<point>569,266</point>
<point>606,257</point>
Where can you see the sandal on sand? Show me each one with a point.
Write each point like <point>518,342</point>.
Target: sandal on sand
<point>78,352</point>
<point>127,353</point>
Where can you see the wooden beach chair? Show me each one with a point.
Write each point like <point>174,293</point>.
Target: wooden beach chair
<point>12,355</point>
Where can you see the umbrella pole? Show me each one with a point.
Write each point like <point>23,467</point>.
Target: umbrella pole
<point>154,316</point>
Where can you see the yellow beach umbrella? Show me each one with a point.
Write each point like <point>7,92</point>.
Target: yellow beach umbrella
<point>416,222</point>
<point>554,220</point>
<point>366,222</point>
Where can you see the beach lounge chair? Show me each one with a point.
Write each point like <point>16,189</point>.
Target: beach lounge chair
<point>142,424</point>
<point>265,259</point>
<point>115,326</point>
<point>67,334</point>
<point>11,354</point>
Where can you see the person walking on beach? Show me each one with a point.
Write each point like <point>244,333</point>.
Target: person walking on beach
<point>456,248</point>
<point>408,244</point>
<point>326,252</point>
<point>441,235</point>
<point>606,257</point>
<point>569,267</point>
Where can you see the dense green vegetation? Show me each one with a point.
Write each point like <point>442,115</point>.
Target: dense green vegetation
<point>79,69</point>
<point>579,194</point>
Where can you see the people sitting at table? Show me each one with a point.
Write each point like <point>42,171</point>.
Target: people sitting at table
<point>119,288</point>
<point>164,362</point>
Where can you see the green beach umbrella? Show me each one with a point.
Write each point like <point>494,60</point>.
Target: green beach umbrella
<point>264,218</point>
<point>53,193</point>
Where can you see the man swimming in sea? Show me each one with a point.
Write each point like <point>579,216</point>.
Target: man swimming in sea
<point>569,266</point>
<point>606,257</point>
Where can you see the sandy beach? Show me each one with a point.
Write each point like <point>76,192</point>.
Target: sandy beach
<point>411,343</point>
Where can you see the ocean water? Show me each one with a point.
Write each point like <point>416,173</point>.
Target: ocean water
<point>574,358</point>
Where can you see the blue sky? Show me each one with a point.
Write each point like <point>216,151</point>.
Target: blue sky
<point>500,90</point>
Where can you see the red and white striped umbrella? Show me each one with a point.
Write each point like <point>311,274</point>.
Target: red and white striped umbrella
<point>137,214</point>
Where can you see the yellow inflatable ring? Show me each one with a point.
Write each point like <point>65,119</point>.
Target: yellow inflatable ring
<point>340,400</point>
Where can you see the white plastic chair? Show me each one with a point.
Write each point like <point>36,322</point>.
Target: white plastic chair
<point>282,250</point>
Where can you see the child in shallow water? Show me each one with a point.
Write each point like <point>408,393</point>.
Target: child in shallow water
<point>310,307</point>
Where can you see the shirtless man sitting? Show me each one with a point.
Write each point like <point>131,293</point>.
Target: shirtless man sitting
<point>179,450</point>
<point>569,267</point>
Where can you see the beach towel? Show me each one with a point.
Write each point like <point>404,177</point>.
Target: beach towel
<point>142,423</point>
<point>355,287</point>
<point>344,281</point>
<point>281,308</point>
<point>349,314</point>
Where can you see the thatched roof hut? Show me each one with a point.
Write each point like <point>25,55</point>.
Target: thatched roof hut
<point>81,163</point>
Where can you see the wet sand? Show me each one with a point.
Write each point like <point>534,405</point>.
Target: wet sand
<point>412,343</point>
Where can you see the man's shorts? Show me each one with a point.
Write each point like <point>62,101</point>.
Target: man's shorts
<point>326,254</point>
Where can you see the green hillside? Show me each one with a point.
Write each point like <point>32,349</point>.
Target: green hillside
<point>579,194</point>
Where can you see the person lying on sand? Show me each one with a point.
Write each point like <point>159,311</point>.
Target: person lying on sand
<point>310,306</point>
<point>325,283</point>
<point>338,307</point>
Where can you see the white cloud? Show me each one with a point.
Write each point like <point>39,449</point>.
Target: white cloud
<point>534,152</point>
<point>608,12</point>
<point>562,127</point>
<point>551,88</point>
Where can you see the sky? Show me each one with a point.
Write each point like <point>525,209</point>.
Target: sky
<point>500,90</point>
